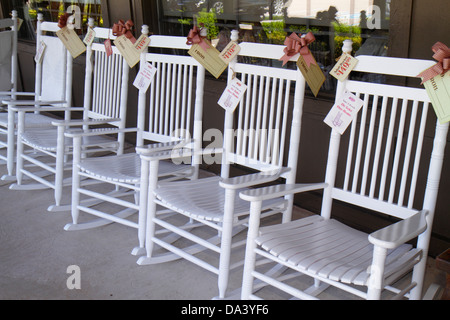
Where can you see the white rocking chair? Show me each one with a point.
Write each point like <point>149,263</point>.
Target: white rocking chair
<point>255,137</point>
<point>380,166</point>
<point>8,56</point>
<point>167,115</point>
<point>53,87</point>
<point>105,103</point>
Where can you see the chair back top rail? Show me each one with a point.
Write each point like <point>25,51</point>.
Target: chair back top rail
<point>6,23</point>
<point>49,26</point>
<point>266,51</point>
<point>169,42</point>
<point>172,98</point>
<point>391,65</point>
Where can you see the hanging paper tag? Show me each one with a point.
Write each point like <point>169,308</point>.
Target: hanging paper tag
<point>145,77</point>
<point>71,41</point>
<point>343,67</point>
<point>19,24</point>
<point>108,47</point>
<point>229,52</point>
<point>128,51</point>
<point>89,38</point>
<point>313,74</point>
<point>438,89</point>
<point>40,52</point>
<point>343,112</point>
<point>142,43</point>
<point>209,58</point>
<point>232,95</point>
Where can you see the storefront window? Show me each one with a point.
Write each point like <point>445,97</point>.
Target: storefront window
<point>366,22</point>
<point>52,10</point>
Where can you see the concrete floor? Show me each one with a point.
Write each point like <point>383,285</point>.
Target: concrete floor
<point>36,252</point>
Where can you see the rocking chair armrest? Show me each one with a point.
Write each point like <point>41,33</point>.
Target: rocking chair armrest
<point>31,105</point>
<point>281,190</point>
<point>10,93</point>
<point>153,148</point>
<point>400,232</point>
<point>252,179</point>
<point>81,122</point>
<point>97,132</point>
<point>171,153</point>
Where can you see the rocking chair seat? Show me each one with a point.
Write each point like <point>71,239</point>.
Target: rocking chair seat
<point>125,168</point>
<point>330,249</point>
<point>46,139</point>
<point>31,119</point>
<point>203,199</point>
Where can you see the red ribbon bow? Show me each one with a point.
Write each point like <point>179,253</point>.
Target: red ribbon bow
<point>194,37</point>
<point>442,55</point>
<point>62,22</point>
<point>124,28</point>
<point>295,44</point>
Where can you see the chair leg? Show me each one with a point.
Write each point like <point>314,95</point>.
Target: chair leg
<point>143,191</point>
<point>376,273</point>
<point>19,162</point>
<point>151,208</point>
<point>59,175</point>
<point>417,277</point>
<point>250,255</point>
<point>225,247</point>
<point>10,143</point>
<point>75,181</point>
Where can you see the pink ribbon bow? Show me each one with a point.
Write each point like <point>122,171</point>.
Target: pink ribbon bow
<point>295,44</point>
<point>442,55</point>
<point>62,22</point>
<point>124,28</point>
<point>194,37</point>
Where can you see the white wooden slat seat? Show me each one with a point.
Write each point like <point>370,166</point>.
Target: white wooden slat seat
<point>376,169</point>
<point>257,134</point>
<point>203,199</point>
<point>169,115</point>
<point>125,168</point>
<point>31,119</point>
<point>329,249</point>
<point>45,139</point>
<point>104,104</point>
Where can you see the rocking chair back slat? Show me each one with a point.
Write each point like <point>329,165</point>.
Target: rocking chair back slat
<point>262,116</point>
<point>108,73</point>
<point>170,98</point>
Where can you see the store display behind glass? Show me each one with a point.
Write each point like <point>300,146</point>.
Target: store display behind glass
<point>51,10</point>
<point>366,22</point>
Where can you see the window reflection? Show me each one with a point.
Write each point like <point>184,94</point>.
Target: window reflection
<point>366,22</point>
<point>52,10</point>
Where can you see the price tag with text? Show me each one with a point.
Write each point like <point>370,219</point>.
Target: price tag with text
<point>229,52</point>
<point>343,112</point>
<point>71,41</point>
<point>232,95</point>
<point>438,89</point>
<point>128,51</point>
<point>142,43</point>
<point>89,38</point>
<point>313,75</point>
<point>40,52</point>
<point>144,77</point>
<point>343,67</point>
<point>208,58</point>
<point>108,47</point>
